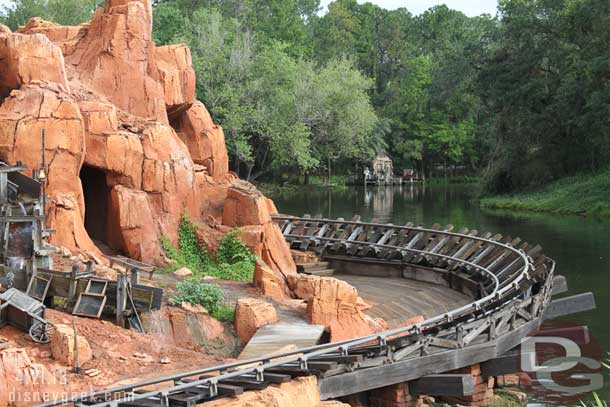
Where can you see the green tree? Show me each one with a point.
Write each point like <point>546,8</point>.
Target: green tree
<point>546,85</point>
<point>340,114</point>
<point>64,12</point>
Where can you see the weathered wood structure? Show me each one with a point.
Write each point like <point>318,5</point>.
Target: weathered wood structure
<point>26,263</point>
<point>510,284</point>
<point>381,172</point>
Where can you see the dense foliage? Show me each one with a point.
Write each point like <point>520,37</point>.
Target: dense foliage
<point>522,98</point>
<point>209,296</point>
<point>232,261</point>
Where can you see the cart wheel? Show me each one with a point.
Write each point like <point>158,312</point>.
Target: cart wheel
<point>41,332</point>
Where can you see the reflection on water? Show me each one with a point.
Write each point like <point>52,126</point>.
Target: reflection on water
<point>580,245</point>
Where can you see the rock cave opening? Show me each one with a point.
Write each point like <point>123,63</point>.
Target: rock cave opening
<point>97,203</point>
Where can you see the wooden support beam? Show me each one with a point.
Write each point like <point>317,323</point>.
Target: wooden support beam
<point>443,385</point>
<point>411,369</point>
<point>504,364</point>
<point>228,390</point>
<point>570,305</point>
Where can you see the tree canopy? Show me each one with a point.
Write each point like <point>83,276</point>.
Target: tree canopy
<point>521,97</point>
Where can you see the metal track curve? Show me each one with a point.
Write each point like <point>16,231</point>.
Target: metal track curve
<point>514,286</point>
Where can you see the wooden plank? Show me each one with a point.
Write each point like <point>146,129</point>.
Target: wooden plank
<point>274,337</point>
<point>443,385</point>
<point>560,285</point>
<point>570,305</point>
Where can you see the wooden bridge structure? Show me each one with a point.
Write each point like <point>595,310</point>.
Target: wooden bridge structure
<point>509,283</point>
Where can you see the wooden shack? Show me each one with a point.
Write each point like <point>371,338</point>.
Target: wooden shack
<point>383,167</point>
<point>381,172</point>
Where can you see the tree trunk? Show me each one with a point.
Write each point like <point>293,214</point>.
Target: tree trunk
<point>250,168</point>
<point>237,164</point>
<point>329,172</point>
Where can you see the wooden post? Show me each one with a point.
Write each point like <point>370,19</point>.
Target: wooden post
<point>135,277</point>
<point>73,283</point>
<point>121,299</point>
<point>77,368</point>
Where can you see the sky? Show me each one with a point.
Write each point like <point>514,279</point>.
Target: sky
<point>468,7</point>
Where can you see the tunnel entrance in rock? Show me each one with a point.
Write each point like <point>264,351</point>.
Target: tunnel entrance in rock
<point>97,204</point>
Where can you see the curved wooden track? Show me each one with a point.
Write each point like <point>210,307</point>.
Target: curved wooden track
<point>509,283</point>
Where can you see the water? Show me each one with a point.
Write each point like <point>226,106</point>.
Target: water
<point>581,246</point>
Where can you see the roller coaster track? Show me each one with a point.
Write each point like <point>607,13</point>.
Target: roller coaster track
<point>510,281</point>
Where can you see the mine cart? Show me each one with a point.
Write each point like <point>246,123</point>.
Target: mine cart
<point>24,312</point>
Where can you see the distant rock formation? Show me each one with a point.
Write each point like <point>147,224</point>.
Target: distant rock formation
<point>129,149</point>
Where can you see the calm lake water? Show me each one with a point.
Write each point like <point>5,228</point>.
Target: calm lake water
<point>581,246</point>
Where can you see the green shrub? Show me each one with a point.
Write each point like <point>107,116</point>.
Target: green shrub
<point>193,291</point>
<point>232,250</point>
<point>225,313</point>
<point>232,261</point>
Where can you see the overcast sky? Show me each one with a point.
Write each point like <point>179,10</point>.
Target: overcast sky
<point>469,7</point>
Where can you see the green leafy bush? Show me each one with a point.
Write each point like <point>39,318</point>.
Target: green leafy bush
<point>232,261</point>
<point>193,291</point>
<point>225,313</point>
<point>232,250</point>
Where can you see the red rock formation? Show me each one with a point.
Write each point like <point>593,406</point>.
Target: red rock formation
<point>247,206</point>
<point>336,305</point>
<point>204,139</point>
<point>21,57</point>
<point>251,314</point>
<point>269,283</point>
<point>65,37</point>
<point>178,78</point>
<point>301,392</point>
<point>62,346</point>
<point>129,149</point>
<point>116,59</point>
<point>184,329</point>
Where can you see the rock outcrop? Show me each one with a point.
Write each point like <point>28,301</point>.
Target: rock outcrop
<point>129,149</point>
<point>63,349</point>
<point>301,392</point>
<point>336,305</point>
<point>185,329</point>
<point>246,207</point>
<point>269,283</point>
<point>251,314</point>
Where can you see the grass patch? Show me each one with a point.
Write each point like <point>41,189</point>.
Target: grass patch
<point>579,195</point>
<point>504,398</point>
<point>232,261</point>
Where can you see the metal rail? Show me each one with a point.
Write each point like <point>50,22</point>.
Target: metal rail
<point>505,299</point>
